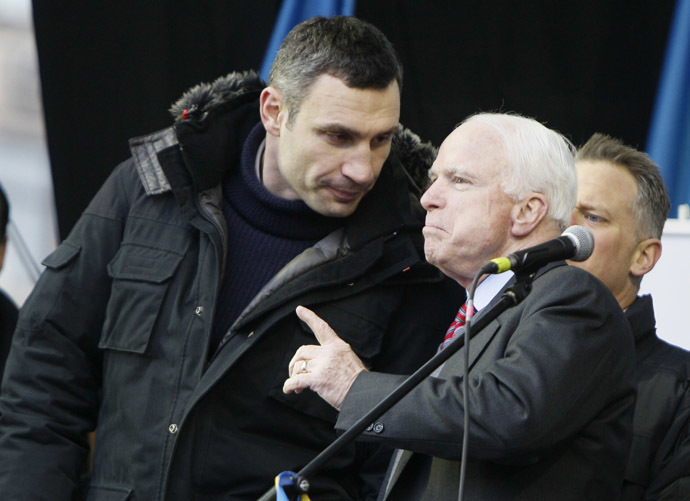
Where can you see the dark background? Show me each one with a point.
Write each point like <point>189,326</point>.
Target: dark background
<point>110,70</point>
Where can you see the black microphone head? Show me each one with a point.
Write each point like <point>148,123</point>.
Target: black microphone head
<point>583,240</point>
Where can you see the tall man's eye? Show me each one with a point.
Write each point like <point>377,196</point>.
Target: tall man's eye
<point>382,140</point>
<point>337,137</point>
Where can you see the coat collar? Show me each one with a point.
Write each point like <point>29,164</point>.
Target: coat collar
<point>640,316</point>
<point>222,113</point>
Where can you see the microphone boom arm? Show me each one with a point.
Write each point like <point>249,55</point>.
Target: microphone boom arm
<point>511,297</point>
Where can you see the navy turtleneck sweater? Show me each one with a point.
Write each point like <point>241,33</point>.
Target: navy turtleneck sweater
<point>264,233</point>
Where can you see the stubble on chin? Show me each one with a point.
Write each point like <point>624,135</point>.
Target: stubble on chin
<point>429,254</point>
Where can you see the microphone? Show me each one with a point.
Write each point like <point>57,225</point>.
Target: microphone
<point>576,243</point>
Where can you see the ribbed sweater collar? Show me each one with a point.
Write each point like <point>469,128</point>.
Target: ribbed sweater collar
<point>271,214</point>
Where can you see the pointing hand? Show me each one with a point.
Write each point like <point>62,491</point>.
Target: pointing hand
<point>329,369</point>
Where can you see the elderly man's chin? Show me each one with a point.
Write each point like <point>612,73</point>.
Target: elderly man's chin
<point>435,256</point>
<point>431,253</point>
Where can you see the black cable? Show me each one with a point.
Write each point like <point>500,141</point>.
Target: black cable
<point>466,385</point>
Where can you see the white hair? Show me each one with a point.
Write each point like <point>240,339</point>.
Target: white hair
<point>540,159</point>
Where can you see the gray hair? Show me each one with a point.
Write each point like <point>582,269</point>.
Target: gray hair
<point>344,47</point>
<point>540,159</point>
<point>652,205</point>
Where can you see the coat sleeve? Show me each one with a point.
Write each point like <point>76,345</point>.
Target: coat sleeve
<point>552,365</point>
<point>51,387</point>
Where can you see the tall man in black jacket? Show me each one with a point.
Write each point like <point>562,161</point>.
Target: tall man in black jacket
<point>623,201</point>
<point>166,320</point>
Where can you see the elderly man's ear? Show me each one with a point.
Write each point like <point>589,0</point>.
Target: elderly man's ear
<point>527,214</point>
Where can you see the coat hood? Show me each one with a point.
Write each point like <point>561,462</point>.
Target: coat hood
<point>415,155</point>
<point>203,97</point>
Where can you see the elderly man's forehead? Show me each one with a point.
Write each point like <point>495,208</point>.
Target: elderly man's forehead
<point>473,138</point>
<point>472,145</point>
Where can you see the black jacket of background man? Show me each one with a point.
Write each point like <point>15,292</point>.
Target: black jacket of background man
<point>659,462</point>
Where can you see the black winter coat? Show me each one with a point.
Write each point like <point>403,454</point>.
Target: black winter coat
<point>659,463</point>
<point>115,335</point>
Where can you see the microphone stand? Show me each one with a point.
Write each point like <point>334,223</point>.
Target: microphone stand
<point>511,297</point>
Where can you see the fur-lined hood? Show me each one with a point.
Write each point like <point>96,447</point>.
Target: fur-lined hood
<point>415,155</point>
<point>203,97</point>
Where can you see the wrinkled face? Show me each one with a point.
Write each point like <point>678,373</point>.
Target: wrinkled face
<point>605,197</point>
<point>333,152</point>
<point>468,219</point>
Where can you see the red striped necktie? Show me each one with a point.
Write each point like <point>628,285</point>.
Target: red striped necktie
<point>458,323</point>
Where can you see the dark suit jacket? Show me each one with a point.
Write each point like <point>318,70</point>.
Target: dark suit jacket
<point>551,403</point>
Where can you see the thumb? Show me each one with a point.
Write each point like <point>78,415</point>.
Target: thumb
<point>323,332</point>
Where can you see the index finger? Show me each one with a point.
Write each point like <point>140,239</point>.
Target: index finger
<point>323,332</point>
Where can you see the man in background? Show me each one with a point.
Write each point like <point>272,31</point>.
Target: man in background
<point>623,201</point>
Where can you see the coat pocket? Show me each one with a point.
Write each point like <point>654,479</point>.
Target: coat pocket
<point>140,279</point>
<point>49,289</point>
<point>61,256</point>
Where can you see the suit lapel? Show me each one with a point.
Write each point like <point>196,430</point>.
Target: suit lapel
<point>478,344</point>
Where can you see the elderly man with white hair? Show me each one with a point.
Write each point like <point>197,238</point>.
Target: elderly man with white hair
<point>550,380</point>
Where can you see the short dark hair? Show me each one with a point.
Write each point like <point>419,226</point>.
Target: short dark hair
<point>348,48</point>
<point>652,204</point>
<point>4,214</point>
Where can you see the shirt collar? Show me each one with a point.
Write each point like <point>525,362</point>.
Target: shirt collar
<point>489,287</point>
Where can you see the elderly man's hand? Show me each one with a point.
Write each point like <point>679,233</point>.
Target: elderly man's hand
<point>328,369</point>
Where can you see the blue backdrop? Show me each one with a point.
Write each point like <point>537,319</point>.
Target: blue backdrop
<point>293,12</point>
<point>669,133</point>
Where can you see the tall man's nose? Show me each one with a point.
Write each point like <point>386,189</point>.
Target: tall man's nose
<point>359,167</point>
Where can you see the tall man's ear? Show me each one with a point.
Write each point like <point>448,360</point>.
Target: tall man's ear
<point>528,213</point>
<point>646,254</point>
<point>272,110</point>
